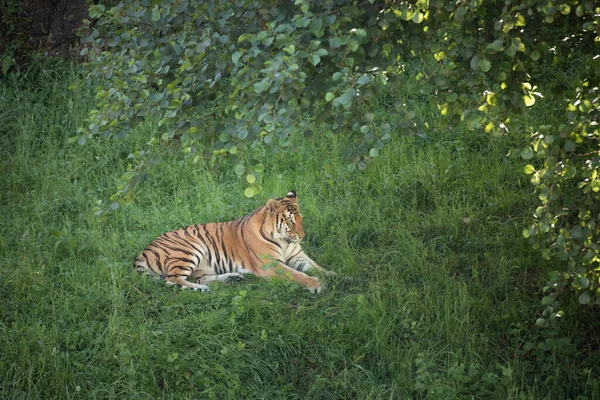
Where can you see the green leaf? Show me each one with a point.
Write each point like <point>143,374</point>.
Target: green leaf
<point>510,50</point>
<point>236,56</point>
<point>249,192</point>
<point>564,9</point>
<point>314,59</point>
<point>361,32</point>
<point>576,233</point>
<point>303,21</point>
<point>462,11</point>
<point>239,169</point>
<point>260,168</point>
<point>346,98</point>
<point>329,96</point>
<point>335,42</point>
<point>259,86</point>
<point>316,27</point>
<point>484,64</point>
<point>290,49</point>
<point>529,169</point>
<point>242,134</point>
<point>155,14</point>
<point>527,153</point>
<point>582,282</point>
<point>549,139</point>
<point>518,44</point>
<point>497,45</point>
<point>250,178</point>
<point>364,79</point>
<point>529,100</point>
<point>256,188</point>
<point>569,145</point>
<point>353,44</point>
<point>418,17</point>
<point>386,129</point>
<point>95,11</point>
<point>584,298</point>
<point>406,14</point>
<point>459,15</point>
<point>244,37</point>
<point>224,137</point>
<point>548,300</point>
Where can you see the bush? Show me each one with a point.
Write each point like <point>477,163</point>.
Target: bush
<point>224,78</point>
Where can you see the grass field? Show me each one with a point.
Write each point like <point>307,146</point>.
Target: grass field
<point>435,296</point>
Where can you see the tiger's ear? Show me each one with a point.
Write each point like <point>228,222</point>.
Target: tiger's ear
<point>273,206</point>
<point>292,195</point>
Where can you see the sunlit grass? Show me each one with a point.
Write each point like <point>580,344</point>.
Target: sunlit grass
<point>435,296</point>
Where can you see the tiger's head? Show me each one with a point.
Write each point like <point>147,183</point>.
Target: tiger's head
<point>287,218</point>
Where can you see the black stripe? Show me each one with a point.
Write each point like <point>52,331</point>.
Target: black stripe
<point>294,265</point>
<point>261,231</point>
<point>205,242</point>
<point>187,252</point>
<point>146,258</point>
<point>299,251</point>
<point>215,249</point>
<point>226,259</point>
<point>158,263</point>
<point>247,246</point>
<point>180,249</point>
<point>233,254</point>
<point>192,245</point>
<point>187,260</point>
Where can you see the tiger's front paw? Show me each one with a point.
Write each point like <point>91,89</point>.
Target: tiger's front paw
<point>314,286</point>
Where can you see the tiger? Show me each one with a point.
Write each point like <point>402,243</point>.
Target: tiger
<point>265,243</point>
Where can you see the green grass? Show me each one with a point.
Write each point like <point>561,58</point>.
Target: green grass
<point>436,292</point>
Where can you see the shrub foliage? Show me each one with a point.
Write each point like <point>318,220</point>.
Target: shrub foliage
<point>226,77</point>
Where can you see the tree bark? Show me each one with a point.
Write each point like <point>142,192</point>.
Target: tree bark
<point>53,24</point>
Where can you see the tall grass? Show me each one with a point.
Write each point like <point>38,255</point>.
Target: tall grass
<point>435,296</point>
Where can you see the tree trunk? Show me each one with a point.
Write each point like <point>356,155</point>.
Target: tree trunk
<point>49,25</point>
